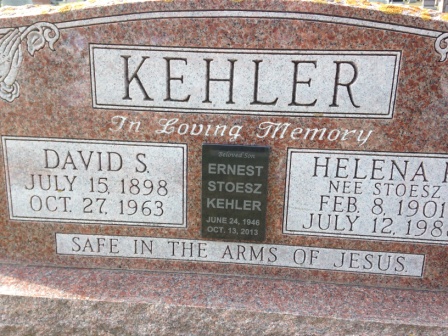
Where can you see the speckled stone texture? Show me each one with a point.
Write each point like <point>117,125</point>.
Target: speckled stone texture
<point>51,301</point>
<point>55,101</point>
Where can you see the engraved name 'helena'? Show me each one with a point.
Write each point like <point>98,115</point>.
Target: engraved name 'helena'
<point>388,196</point>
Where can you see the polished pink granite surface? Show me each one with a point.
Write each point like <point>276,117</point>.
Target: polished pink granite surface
<point>398,307</point>
<point>56,101</point>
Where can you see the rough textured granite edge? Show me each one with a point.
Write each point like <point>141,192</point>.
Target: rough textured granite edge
<point>425,309</point>
<point>390,10</point>
<point>43,316</point>
<point>425,13</point>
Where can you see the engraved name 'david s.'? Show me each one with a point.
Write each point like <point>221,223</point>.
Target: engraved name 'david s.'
<point>96,181</point>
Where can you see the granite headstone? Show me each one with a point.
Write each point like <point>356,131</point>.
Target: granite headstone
<point>284,141</point>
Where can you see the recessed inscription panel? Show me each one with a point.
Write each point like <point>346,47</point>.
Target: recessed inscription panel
<point>385,196</point>
<point>96,181</point>
<point>234,191</point>
<point>300,257</point>
<point>269,82</point>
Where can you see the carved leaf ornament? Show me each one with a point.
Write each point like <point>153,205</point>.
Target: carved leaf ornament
<point>11,57</point>
<point>41,33</point>
<point>443,38</point>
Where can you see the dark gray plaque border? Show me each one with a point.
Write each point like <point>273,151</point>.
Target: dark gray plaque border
<point>227,147</point>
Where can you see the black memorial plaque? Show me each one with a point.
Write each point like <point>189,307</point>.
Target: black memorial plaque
<point>234,191</point>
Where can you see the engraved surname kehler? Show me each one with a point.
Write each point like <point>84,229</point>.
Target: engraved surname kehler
<point>338,85</point>
<point>268,82</point>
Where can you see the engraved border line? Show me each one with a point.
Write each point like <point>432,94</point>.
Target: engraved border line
<point>190,14</point>
<point>204,14</point>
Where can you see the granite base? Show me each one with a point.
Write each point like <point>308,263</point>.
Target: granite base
<point>36,300</point>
